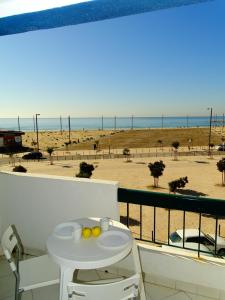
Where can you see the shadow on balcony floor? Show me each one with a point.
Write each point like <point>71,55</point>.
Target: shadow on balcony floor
<point>153,291</point>
<point>132,222</point>
<point>190,192</point>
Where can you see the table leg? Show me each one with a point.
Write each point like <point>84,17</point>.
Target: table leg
<point>137,267</point>
<point>66,275</point>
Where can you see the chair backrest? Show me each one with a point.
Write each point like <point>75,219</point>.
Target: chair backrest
<point>120,290</point>
<point>9,241</point>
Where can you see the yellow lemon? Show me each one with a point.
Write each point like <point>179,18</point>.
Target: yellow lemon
<point>96,231</point>
<point>86,232</point>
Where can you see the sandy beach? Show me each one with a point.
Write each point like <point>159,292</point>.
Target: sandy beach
<point>204,180</point>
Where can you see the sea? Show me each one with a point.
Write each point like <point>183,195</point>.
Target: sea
<point>115,123</point>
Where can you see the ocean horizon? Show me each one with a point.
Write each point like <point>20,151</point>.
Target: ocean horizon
<point>95,123</point>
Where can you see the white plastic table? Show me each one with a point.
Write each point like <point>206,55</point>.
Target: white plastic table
<point>86,253</point>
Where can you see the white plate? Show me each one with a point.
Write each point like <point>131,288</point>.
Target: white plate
<point>113,239</point>
<point>65,230</point>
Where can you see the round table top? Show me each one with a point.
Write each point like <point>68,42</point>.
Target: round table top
<point>93,252</point>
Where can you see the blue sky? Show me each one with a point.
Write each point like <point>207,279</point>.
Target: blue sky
<point>169,62</point>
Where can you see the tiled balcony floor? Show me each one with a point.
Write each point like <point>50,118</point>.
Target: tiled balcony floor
<point>153,291</point>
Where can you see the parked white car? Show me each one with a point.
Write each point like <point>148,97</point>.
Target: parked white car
<point>220,147</point>
<point>192,236</point>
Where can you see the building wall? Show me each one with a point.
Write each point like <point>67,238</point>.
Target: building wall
<point>10,140</point>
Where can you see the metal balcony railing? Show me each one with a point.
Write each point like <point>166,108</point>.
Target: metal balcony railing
<point>203,209</point>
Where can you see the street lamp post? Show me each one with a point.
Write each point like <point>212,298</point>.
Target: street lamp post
<point>18,119</point>
<point>37,131</point>
<point>69,129</point>
<point>210,130</point>
<point>132,122</point>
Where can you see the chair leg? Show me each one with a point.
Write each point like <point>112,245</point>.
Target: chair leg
<point>137,266</point>
<point>17,291</point>
<point>20,296</point>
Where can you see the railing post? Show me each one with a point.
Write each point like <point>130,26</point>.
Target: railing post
<point>128,215</point>
<point>216,229</point>
<point>199,233</point>
<point>183,227</point>
<point>141,222</point>
<point>168,238</point>
<point>154,224</point>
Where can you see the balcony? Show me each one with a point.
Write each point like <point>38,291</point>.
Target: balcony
<point>36,203</point>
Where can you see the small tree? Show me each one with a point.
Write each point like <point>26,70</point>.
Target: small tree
<point>156,170</point>
<point>223,140</point>
<point>175,145</point>
<point>126,153</point>
<point>85,170</point>
<point>19,169</point>
<point>50,150</point>
<point>221,168</point>
<point>160,142</point>
<point>178,183</point>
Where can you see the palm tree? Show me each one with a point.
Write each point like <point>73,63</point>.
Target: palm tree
<point>33,143</point>
<point>126,153</point>
<point>66,144</point>
<point>12,159</point>
<point>156,170</point>
<point>11,151</point>
<point>211,146</point>
<point>221,168</point>
<point>190,143</point>
<point>50,150</point>
<point>175,145</point>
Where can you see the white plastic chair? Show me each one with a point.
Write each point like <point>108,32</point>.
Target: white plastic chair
<point>120,290</point>
<point>137,270</point>
<point>31,273</point>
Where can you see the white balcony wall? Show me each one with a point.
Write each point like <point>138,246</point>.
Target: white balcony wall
<point>183,272</point>
<point>37,203</point>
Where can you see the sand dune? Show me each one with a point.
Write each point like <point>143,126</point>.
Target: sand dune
<point>141,138</point>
